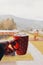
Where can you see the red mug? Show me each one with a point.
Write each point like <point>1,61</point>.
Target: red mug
<point>22,42</point>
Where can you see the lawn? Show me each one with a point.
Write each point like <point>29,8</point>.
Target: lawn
<point>38,45</point>
<point>16,58</point>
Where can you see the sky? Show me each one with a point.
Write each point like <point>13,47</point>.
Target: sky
<point>29,9</point>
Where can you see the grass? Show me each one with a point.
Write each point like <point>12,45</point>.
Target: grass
<point>38,45</point>
<point>17,58</point>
